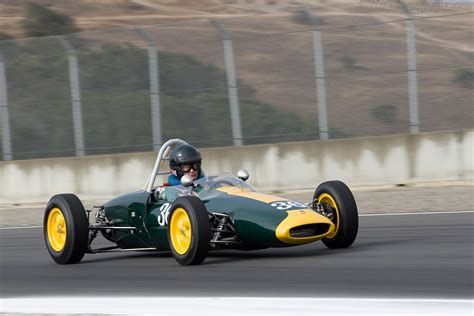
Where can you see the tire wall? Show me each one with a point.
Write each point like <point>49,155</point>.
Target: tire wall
<point>395,159</point>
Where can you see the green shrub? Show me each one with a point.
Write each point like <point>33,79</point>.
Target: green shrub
<point>42,21</point>
<point>348,62</point>
<point>464,77</point>
<point>306,18</point>
<point>385,113</point>
<point>4,36</point>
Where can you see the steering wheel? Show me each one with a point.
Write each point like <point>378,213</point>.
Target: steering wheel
<point>214,185</point>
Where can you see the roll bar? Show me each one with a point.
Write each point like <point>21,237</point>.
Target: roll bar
<point>164,150</point>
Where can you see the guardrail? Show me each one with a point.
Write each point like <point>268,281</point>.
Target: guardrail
<point>391,159</point>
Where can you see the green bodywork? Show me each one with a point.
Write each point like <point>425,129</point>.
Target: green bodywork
<point>255,222</point>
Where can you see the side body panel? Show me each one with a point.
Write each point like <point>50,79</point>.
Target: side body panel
<point>158,224</point>
<point>254,221</point>
<point>130,210</point>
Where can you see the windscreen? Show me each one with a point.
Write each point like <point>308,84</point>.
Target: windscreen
<point>206,187</point>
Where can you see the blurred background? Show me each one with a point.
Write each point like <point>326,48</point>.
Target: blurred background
<point>98,77</point>
<point>376,93</point>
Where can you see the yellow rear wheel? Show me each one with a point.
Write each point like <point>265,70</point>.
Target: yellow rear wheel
<point>56,229</point>
<point>66,229</point>
<point>180,231</point>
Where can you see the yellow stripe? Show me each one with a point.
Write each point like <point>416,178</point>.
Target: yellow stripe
<point>266,198</point>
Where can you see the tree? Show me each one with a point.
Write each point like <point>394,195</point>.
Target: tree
<point>5,36</point>
<point>385,113</point>
<point>464,77</point>
<point>42,21</point>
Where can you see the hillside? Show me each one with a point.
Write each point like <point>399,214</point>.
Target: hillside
<point>364,50</point>
<point>100,14</point>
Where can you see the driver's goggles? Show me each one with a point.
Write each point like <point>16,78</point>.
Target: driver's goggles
<point>187,167</point>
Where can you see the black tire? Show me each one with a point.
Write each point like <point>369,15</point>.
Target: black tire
<point>72,249</point>
<point>198,241</point>
<point>346,212</point>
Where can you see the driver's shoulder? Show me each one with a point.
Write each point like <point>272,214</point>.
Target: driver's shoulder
<point>173,180</point>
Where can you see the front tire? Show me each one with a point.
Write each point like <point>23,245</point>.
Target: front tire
<point>66,229</point>
<point>339,203</point>
<point>189,231</point>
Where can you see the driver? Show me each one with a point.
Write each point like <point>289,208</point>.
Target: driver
<point>184,159</point>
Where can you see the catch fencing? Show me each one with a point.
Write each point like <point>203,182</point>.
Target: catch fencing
<point>236,81</point>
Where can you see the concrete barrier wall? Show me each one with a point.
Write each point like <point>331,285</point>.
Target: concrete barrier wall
<point>357,161</point>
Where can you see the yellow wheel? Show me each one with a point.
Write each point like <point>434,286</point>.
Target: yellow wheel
<point>180,231</point>
<point>189,231</point>
<point>66,229</point>
<point>331,208</point>
<point>340,207</point>
<point>56,229</point>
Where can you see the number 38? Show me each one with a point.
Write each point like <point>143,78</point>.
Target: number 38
<point>285,205</point>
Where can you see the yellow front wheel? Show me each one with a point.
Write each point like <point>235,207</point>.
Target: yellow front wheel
<point>189,230</point>
<point>66,229</point>
<point>338,204</point>
<point>180,231</point>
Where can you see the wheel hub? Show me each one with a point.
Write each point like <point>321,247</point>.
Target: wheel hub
<point>329,209</point>
<point>180,231</point>
<point>56,229</point>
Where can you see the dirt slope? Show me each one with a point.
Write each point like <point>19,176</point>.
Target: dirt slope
<point>365,65</point>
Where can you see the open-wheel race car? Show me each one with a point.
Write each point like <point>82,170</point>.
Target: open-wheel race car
<point>191,219</point>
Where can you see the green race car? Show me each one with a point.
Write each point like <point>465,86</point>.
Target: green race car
<point>191,219</point>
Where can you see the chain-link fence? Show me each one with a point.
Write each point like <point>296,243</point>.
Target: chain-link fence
<point>236,81</point>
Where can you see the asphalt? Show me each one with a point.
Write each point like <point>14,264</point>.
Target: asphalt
<point>394,256</point>
<point>369,200</point>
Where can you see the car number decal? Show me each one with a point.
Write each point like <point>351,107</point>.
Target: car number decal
<point>164,212</point>
<point>286,205</point>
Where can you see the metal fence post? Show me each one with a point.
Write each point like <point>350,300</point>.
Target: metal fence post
<point>4,114</point>
<point>412,69</point>
<point>231,83</point>
<point>75,96</point>
<point>412,76</point>
<point>153,69</point>
<point>319,74</point>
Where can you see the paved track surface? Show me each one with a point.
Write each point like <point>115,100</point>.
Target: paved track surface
<point>369,200</point>
<point>406,256</point>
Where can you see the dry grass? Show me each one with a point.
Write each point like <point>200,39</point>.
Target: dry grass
<point>99,14</point>
<point>365,65</point>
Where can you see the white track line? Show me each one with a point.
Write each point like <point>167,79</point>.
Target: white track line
<point>360,215</point>
<point>240,306</point>
<point>20,227</point>
<point>414,213</point>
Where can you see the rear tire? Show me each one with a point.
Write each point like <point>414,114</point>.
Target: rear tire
<point>66,229</point>
<point>337,199</point>
<point>189,230</point>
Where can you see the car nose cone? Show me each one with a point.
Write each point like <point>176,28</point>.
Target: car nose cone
<point>303,226</point>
